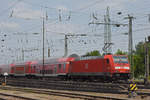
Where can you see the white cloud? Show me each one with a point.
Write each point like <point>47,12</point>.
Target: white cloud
<point>9,25</point>
<point>28,14</point>
<point>63,8</point>
<point>24,11</point>
<point>111,3</point>
<point>62,28</point>
<point>102,4</point>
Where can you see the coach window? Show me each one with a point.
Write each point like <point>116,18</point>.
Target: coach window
<point>107,61</point>
<point>64,67</point>
<point>34,67</point>
<point>59,66</point>
<point>12,68</point>
<point>55,69</point>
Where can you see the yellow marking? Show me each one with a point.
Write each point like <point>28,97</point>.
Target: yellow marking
<point>136,88</point>
<point>133,87</point>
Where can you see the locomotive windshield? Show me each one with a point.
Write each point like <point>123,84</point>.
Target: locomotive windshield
<point>120,59</point>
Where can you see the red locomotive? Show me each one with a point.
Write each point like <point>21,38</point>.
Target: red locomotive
<point>109,67</point>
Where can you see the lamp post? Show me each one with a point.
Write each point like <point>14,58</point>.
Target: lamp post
<point>147,60</point>
<point>5,74</point>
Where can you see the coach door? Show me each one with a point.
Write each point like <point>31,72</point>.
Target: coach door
<point>59,68</point>
<point>106,65</point>
<point>55,69</point>
<point>64,68</point>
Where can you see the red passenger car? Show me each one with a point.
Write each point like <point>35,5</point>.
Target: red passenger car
<point>52,67</point>
<point>20,69</point>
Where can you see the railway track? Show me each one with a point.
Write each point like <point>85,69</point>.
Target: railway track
<point>119,85</point>
<point>114,88</point>
<point>69,85</point>
<point>63,94</point>
<point>4,96</point>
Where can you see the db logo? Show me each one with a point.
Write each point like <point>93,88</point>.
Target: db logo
<point>86,66</point>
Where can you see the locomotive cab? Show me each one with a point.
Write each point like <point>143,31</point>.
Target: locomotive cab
<point>119,66</point>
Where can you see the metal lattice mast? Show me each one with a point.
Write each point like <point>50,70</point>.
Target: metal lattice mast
<point>107,33</point>
<point>130,45</point>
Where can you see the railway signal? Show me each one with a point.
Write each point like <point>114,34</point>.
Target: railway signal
<point>132,90</point>
<point>5,74</point>
<point>133,87</point>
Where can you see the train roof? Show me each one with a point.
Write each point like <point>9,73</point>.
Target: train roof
<point>53,60</point>
<point>3,65</point>
<point>90,57</point>
<point>116,55</point>
<point>21,63</point>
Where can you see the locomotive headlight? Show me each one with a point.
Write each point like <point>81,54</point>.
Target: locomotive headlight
<point>117,67</point>
<point>126,67</point>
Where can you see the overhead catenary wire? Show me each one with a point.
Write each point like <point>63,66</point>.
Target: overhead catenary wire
<point>88,6</point>
<point>147,28</point>
<point>57,8</point>
<point>10,7</point>
<point>87,28</point>
<point>37,26</point>
<point>48,7</point>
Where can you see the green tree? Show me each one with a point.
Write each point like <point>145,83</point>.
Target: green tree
<point>119,52</point>
<point>139,60</point>
<point>138,65</point>
<point>92,53</point>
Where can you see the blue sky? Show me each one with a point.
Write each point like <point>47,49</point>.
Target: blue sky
<point>19,19</point>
